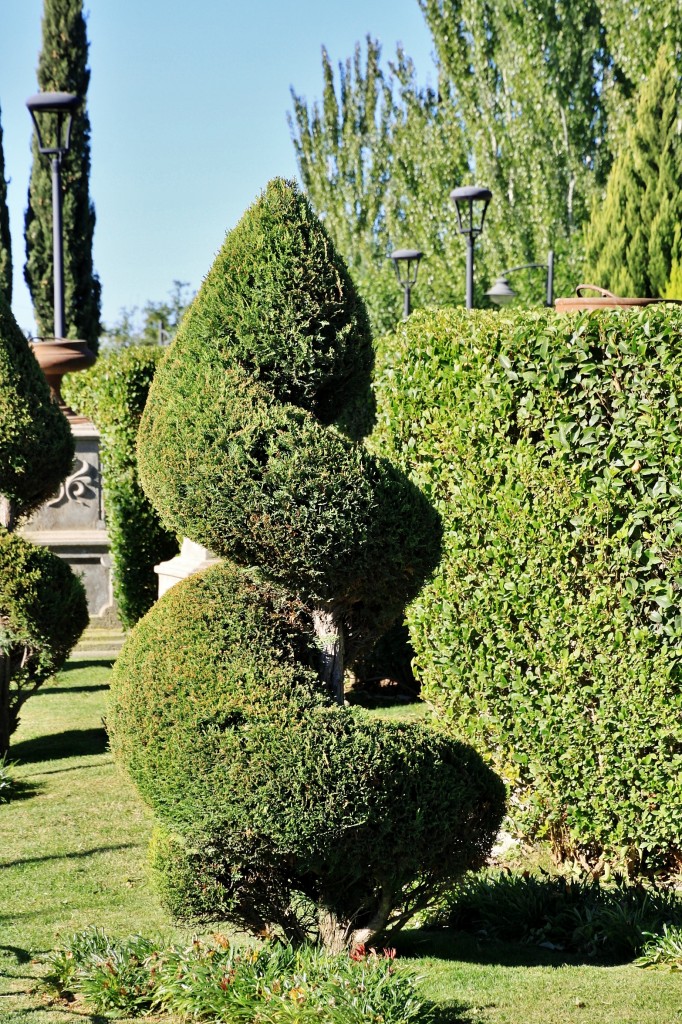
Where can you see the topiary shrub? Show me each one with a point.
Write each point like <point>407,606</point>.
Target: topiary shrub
<point>280,797</point>
<point>551,635</point>
<point>42,605</point>
<point>113,395</point>
<point>36,446</point>
<point>279,808</point>
<point>42,613</point>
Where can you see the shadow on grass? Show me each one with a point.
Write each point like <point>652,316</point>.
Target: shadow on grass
<point>75,855</point>
<point>22,789</point>
<point>443,944</point>
<point>51,690</point>
<point>22,956</point>
<point>76,665</point>
<point>70,743</point>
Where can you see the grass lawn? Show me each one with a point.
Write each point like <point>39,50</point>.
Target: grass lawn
<point>72,854</point>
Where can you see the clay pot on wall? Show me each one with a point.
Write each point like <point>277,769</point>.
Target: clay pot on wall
<point>57,356</point>
<point>605,300</point>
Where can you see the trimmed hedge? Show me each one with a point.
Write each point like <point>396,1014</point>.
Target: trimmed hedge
<point>43,612</point>
<point>273,801</point>
<point>551,635</point>
<point>113,395</point>
<point>36,446</point>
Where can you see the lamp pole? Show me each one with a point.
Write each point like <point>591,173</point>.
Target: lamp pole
<point>58,108</point>
<point>406,263</point>
<point>471,203</point>
<point>501,293</point>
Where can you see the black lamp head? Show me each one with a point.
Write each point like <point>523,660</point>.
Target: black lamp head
<point>54,112</point>
<point>406,263</point>
<point>471,203</point>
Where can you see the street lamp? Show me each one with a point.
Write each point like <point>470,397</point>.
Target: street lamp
<point>53,111</point>
<point>502,294</point>
<point>406,263</point>
<point>471,203</point>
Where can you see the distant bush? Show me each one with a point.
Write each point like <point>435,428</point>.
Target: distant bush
<point>551,635</point>
<point>43,611</point>
<point>610,923</point>
<point>113,395</point>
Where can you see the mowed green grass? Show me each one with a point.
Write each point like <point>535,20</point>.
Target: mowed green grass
<point>73,854</point>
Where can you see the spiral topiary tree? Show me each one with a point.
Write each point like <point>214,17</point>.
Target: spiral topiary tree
<point>42,604</point>
<point>279,808</point>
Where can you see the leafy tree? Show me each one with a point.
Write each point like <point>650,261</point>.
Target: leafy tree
<point>157,326</point>
<point>633,33</point>
<point>63,67</point>
<point>378,159</point>
<point>5,238</point>
<point>518,108</point>
<point>633,238</point>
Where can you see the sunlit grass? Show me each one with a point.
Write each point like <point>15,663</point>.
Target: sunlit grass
<point>73,854</point>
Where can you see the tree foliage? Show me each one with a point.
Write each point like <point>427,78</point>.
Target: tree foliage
<point>5,237</point>
<point>155,324</point>
<point>63,67</point>
<point>633,239</point>
<point>532,100</point>
<point>377,159</point>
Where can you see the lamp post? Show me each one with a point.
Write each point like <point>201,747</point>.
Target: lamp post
<point>406,263</point>
<point>502,294</point>
<point>54,112</point>
<point>471,203</point>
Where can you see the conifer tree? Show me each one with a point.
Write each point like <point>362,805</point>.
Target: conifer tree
<point>633,238</point>
<point>63,67</point>
<point>5,238</point>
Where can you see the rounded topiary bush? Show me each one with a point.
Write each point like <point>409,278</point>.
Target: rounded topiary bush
<point>36,446</point>
<point>277,793</point>
<point>301,814</point>
<point>43,611</point>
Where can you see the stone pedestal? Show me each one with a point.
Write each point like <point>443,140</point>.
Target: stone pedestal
<point>192,558</point>
<point>72,525</point>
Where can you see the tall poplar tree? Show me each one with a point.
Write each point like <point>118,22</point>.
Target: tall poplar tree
<point>633,239</point>
<point>5,238</point>
<point>378,158</point>
<point>63,67</point>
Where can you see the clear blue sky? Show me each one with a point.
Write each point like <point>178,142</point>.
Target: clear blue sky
<point>188,105</point>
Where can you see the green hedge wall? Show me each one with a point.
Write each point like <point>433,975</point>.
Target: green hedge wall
<point>113,395</point>
<point>551,636</point>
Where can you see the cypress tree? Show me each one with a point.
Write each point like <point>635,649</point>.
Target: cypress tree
<point>632,239</point>
<point>63,67</point>
<point>5,239</point>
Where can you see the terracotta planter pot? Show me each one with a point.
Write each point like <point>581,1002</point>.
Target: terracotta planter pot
<point>605,300</point>
<point>57,356</point>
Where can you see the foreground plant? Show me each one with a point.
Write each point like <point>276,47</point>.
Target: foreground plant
<point>271,984</point>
